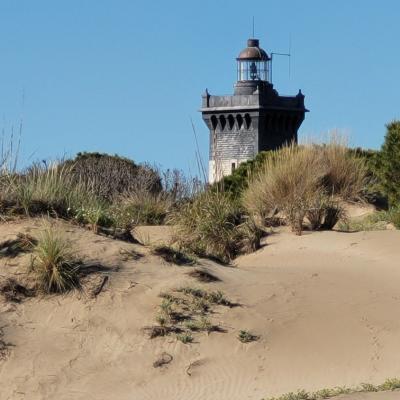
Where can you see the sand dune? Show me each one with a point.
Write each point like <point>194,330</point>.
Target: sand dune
<point>326,307</point>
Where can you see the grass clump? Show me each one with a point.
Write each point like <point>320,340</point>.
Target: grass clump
<point>306,182</point>
<point>212,225</point>
<point>185,337</point>
<point>245,336</point>
<point>54,265</point>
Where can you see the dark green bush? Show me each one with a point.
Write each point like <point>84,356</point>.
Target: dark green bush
<point>109,176</point>
<point>388,165</point>
<point>235,183</point>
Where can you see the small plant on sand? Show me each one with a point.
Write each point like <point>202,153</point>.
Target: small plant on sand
<point>185,337</point>
<point>201,325</point>
<point>53,264</point>
<point>246,336</point>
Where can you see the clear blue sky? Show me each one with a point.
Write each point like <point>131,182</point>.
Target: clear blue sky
<point>126,76</point>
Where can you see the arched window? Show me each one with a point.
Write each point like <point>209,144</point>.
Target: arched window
<point>214,122</point>
<point>247,120</point>
<point>222,122</point>
<point>231,121</point>
<point>239,120</point>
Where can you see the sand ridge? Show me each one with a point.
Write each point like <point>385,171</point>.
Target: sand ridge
<point>324,304</point>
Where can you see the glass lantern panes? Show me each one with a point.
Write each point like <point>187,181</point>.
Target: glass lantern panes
<point>251,70</point>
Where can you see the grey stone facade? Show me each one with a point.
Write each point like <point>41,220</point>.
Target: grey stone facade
<point>255,118</point>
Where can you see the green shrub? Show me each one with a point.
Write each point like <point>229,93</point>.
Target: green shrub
<point>394,216</point>
<point>109,176</point>
<point>389,163</point>
<point>213,225</point>
<point>53,264</point>
<point>245,336</point>
<point>235,183</point>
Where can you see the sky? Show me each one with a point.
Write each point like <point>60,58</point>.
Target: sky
<point>126,77</point>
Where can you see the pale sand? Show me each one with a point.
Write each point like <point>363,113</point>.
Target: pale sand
<point>326,306</point>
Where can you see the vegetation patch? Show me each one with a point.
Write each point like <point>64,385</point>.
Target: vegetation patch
<point>377,221</point>
<point>185,337</point>
<point>185,312</point>
<point>247,337</point>
<point>111,175</point>
<point>389,384</point>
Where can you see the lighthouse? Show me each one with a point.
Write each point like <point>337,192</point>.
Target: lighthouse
<point>255,118</point>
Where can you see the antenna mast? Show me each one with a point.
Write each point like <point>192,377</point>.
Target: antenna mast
<point>283,54</point>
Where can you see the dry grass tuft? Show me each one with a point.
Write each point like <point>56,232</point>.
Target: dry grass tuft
<point>213,225</point>
<point>54,266</point>
<point>306,181</point>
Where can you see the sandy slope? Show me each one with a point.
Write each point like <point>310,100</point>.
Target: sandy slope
<point>326,306</point>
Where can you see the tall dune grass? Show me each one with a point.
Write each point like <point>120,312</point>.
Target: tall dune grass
<point>53,264</point>
<point>213,225</point>
<point>306,181</point>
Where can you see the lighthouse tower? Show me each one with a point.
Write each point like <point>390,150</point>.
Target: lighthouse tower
<point>255,118</point>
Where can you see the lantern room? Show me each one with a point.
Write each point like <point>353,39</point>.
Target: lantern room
<point>253,63</point>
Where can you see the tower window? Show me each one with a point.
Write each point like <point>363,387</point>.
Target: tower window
<point>231,121</point>
<point>233,167</point>
<point>222,122</point>
<point>239,120</point>
<point>214,122</point>
<point>247,120</point>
